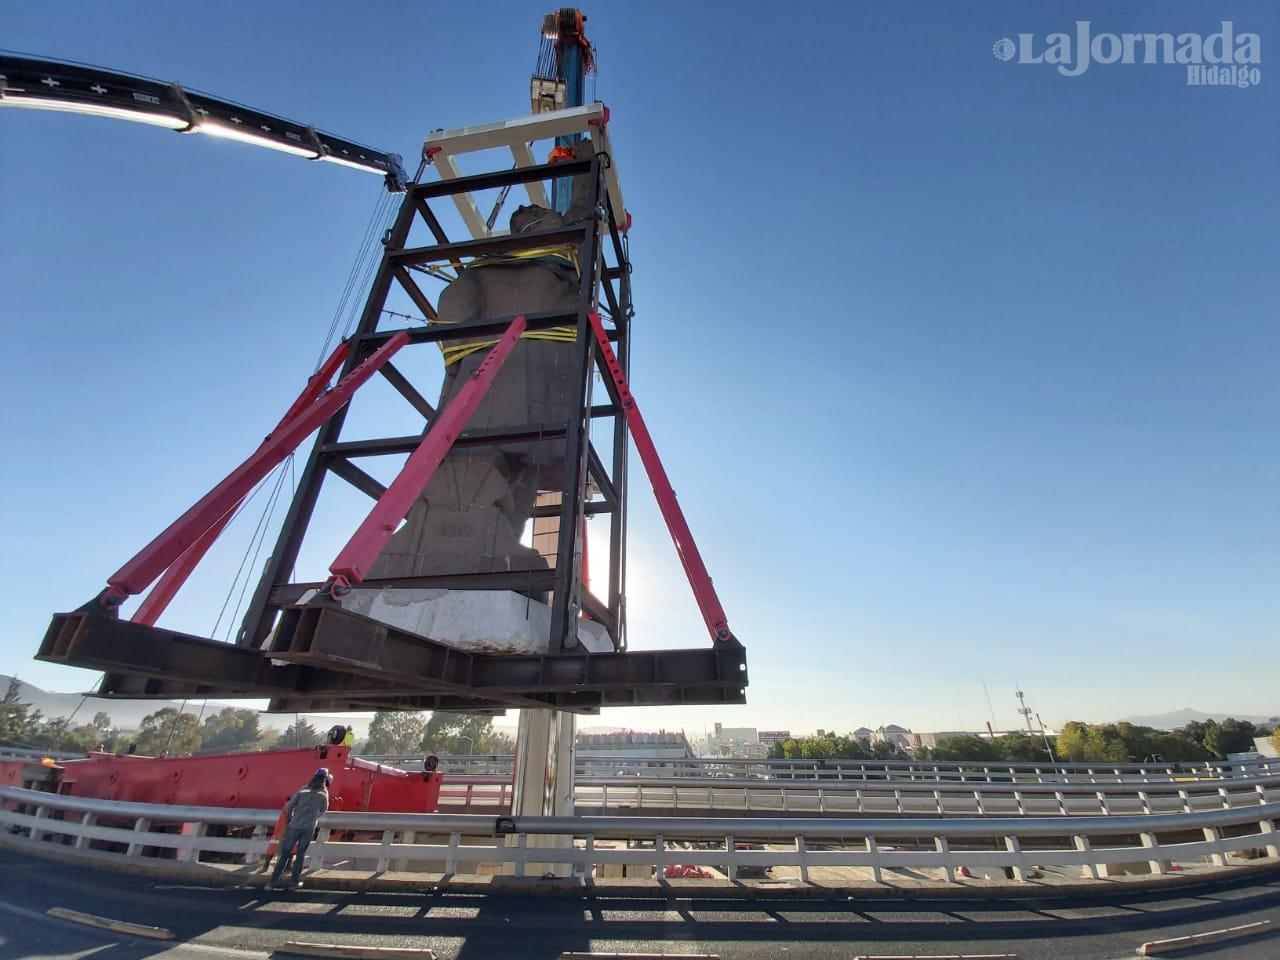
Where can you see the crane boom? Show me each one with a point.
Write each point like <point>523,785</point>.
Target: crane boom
<point>45,84</point>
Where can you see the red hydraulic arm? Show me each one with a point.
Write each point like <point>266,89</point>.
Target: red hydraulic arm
<point>704,590</point>
<point>372,536</point>
<point>310,410</point>
<point>166,588</point>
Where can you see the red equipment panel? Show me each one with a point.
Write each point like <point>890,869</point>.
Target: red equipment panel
<point>262,780</point>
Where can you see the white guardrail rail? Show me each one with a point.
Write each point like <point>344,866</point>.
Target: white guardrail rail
<point>676,795</point>
<point>892,771</point>
<point>456,844</point>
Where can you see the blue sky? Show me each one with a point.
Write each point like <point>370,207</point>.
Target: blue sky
<point>963,370</point>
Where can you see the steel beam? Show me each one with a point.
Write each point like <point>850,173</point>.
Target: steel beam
<point>485,247</point>
<point>325,635</point>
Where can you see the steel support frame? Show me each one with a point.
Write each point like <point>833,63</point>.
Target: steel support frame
<point>331,454</point>
<point>323,657</point>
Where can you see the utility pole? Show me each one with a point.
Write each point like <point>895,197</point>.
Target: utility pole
<point>1025,711</point>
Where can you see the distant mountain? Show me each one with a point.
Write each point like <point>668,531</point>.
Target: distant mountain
<point>128,714</point>
<point>1180,718</point>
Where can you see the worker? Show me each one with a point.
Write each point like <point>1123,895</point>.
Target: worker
<point>349,738</point>
<point>303,812</point>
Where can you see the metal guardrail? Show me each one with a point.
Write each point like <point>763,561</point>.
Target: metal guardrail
<point>453,844</point>
<point>610,795</point>
<point>24,753</point>
<point>893,771</point>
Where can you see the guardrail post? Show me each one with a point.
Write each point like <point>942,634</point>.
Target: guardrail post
<point>660,858</point>
<point>1149,841</point>
<point>1214,836</point>
<point>940,844</point>
<point>1013,846</point>
<point>1017,797</point>
<point>316,852</point>
<point>1268,827</point>
<point>259,832</point>
<point>188,851</point>
<point>1261,791</point>
<point>521,845</point>
<point>1186,801</point>
<point>937,797</point>
<point>451,858</point>
<point>1145,800</point>
<point>1226,797</point>
<point>82,841</point>
<point>42,813</point>
<point>402,863</point>
<point>731,868</point>
<point>589,868</point>
<point>1062,802</point>
<point>802,856</point>
<point>874,850</point>
<point>1084,846</point>
<point>1102,803</point>
<point>384,852</point>
<point>140,826</point>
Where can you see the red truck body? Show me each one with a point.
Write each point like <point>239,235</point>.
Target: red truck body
<point>263,780</point>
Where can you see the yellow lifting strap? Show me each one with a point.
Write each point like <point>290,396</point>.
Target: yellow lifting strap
<point>565,252</point>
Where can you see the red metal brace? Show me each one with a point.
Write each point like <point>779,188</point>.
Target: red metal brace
<point>703,589</point>
<point>159,596</point>
<point>372,536</point>
<point>214,507</point>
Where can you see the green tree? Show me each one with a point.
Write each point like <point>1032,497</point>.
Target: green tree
<point>230,729</point>
<point>17,720</point>
<point>886,750</point>
<point>964,748</point>
<point>1230,736</point>
<point>826,747</point>
<point>300,733</point>
<point>1019,747</point>
<point>462,733</point>
<point>1124,742</point>
<point>169,731</point>
<point>1196,730</point>
<point>395,731</point>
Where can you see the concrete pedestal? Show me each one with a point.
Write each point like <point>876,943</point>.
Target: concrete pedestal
<point>544,764</point>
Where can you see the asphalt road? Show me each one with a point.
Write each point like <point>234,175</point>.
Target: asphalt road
<point>215,923</point>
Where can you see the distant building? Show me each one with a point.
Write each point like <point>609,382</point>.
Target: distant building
<point>769,737</point>
<point>742,743</point>
<point>862,733</point>
<point>891,733</point>
<point>607,754</point>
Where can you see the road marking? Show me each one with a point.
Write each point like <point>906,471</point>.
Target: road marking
<point>107,923</point>
<point>349,952</point>
<point>1153,948</point>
